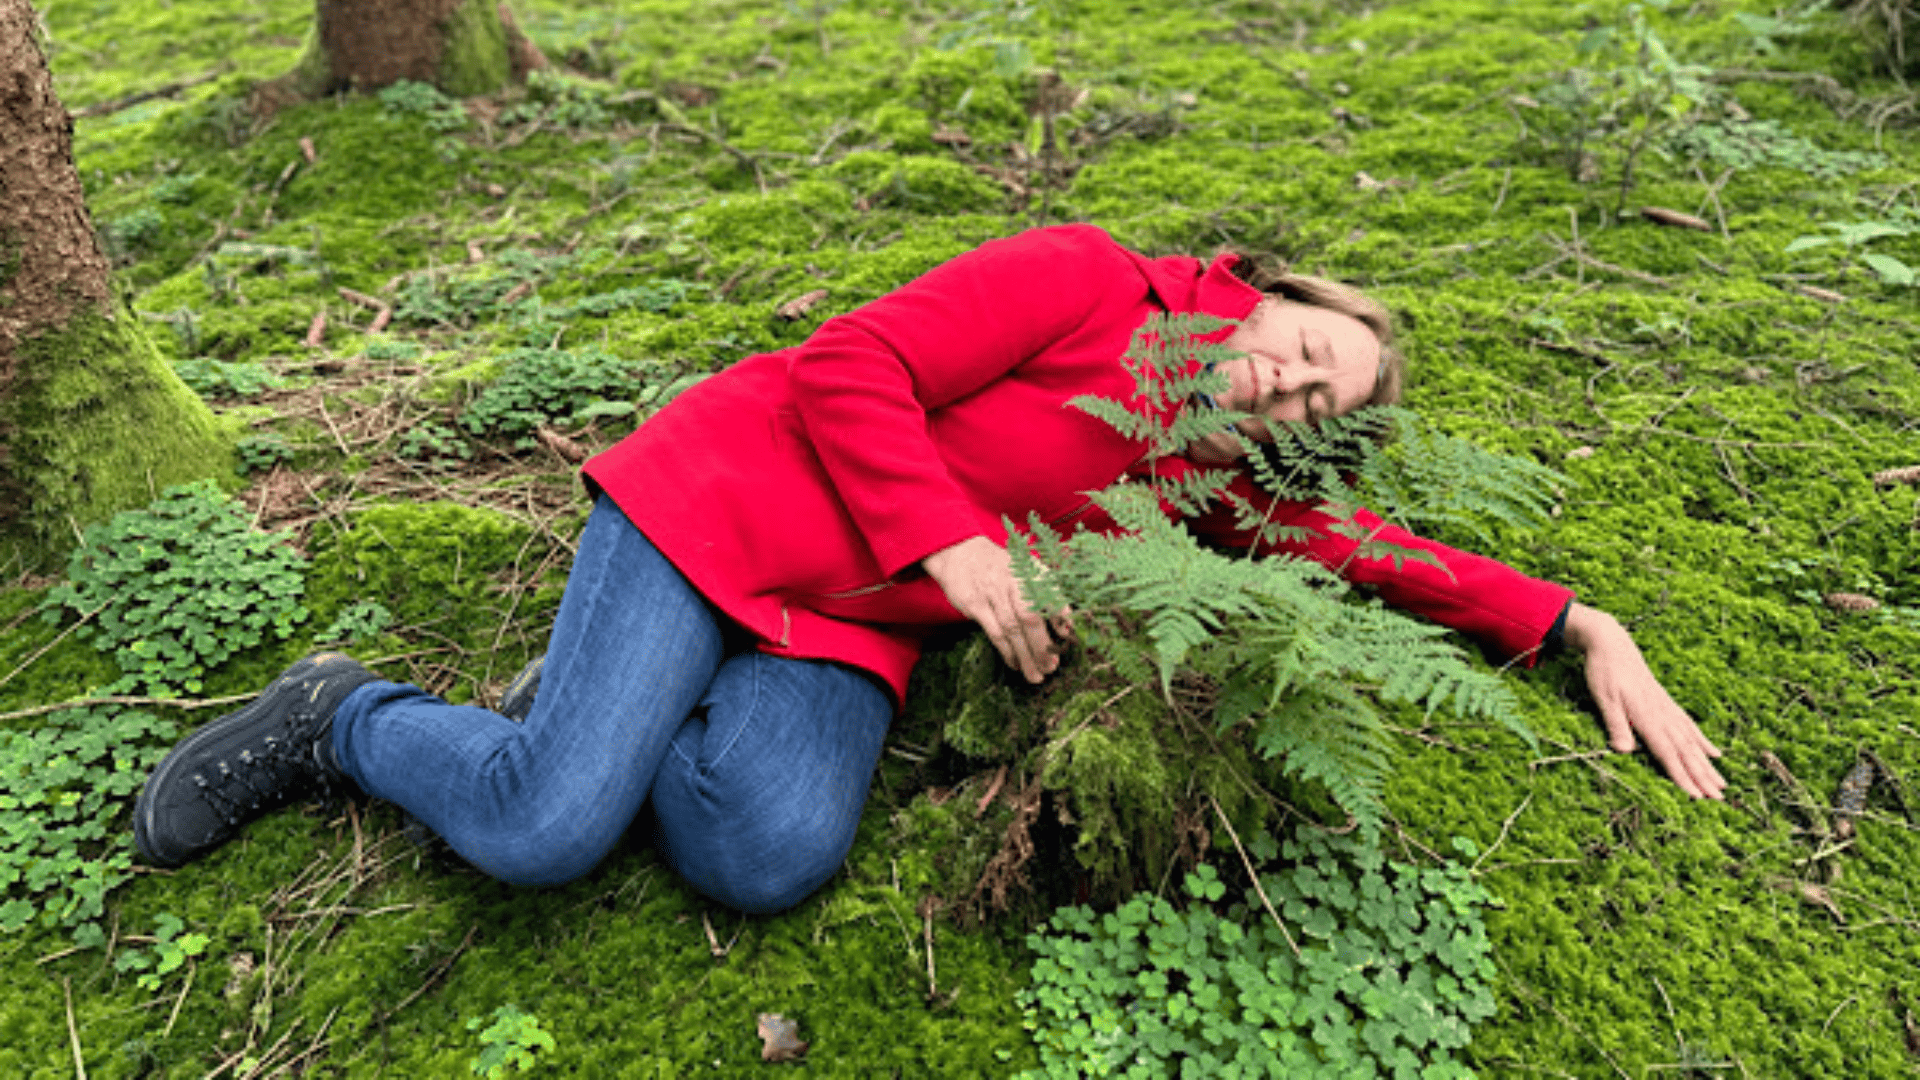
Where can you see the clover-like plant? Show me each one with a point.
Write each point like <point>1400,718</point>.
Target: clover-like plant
<point>512,1039</point>
<point>1382,970</point>
<point>177,588</point>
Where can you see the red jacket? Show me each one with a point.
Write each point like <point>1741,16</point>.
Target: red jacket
<point>798,490</point>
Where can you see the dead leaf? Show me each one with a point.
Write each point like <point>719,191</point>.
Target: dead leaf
<point>692,95</point>
<point>800,305</point>
<point>306,149</point>
<point>780,1038</point>
<point>568,450</point>
<point>1846,601</point>
<point>1579,452</point>
<point>1367,183</point>
<point>1905,474</point>
<point>1660,215</point>
<point>241,966</point>
<point>381,320</point>
<point>475,253</point>
<point>496,191</point>
<point>317,330</point>
<point>1818,896</point>
<point>517,293</point>
<point>947,136</point>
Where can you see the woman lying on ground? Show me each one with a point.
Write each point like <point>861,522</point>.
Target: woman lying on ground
<point>765,555</point>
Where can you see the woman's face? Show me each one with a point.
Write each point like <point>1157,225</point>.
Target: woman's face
<point>1302,363</point>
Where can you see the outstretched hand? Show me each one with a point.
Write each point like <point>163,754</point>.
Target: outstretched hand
<point>1632,700</point>
<point>977,576</point>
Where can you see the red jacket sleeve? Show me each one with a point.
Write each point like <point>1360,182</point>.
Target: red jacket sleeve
<point>1475,595</point>
<point>865,381</point>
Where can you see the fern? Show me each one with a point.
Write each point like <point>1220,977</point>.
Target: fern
<point>1300,666</point>
<point>1427,477</point>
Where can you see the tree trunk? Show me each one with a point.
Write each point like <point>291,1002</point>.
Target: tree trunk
<point>463,47</point>
<point>92,418</point>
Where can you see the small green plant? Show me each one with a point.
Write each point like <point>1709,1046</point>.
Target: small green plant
<point>132,233</point>
<point>1382,969</point>
<point>177,588</point>
<point>358,622</point>
<point>433,443</point>
<point>545,386</point>
<point>63,786</point>
<point>423,100</point>
<point>171,951</point>
<point>561,102</point>
<point>175,190</point>
<point>512,1039</point>
<point>460,301</point>
<point>1854,236</point>
<point>226,379</point>
<point>389,349</point>
<point>1743,144</point>
<point>260,453</point>
<point>1628,90</point>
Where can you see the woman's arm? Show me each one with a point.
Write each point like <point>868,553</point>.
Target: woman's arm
<point>864,383</point>
<point>1631,699</point>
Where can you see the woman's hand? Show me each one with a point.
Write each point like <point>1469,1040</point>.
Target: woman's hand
<point>978,579</point>
<point>1631,700</point>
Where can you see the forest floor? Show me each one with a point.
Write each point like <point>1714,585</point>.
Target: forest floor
<point>421,314</point>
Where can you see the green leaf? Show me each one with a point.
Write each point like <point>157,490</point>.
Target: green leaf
<point>1891,270</point>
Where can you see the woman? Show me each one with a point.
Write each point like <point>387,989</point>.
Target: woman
<point>765,554</point>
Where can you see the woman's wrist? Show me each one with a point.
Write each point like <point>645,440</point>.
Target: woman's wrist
<point>1588,628</point>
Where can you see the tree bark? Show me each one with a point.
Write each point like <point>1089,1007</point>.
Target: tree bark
<point>92,418</point>
<point>463,47</point>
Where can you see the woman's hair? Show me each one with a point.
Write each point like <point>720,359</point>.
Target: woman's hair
<point>1271,276</point>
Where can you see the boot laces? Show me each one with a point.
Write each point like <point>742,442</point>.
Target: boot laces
<point>280,769</point>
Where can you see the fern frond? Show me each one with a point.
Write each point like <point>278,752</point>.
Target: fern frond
<point>1333,736</point>
<point>1429,477</point>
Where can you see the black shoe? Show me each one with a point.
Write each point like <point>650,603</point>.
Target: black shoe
<point>516,701</point>
<point>276,750</point>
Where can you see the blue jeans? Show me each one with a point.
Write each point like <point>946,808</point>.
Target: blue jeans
<point>757,765</point>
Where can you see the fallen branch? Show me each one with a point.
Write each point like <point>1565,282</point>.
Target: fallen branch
<point>107,108</point>
<point>166,703</point>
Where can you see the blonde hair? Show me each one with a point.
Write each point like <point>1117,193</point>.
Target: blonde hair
<point>1271,276</point>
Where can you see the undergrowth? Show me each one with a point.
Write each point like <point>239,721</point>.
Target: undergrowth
<point>1385,974</point>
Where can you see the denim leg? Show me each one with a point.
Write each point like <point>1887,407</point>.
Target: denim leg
<point>756,803</point>
<point>633,650</point>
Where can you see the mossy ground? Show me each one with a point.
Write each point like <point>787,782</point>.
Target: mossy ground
<point>1720,424</point>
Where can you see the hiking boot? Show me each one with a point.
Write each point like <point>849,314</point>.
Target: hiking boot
<point>276,750</point>
<point>516,701</point>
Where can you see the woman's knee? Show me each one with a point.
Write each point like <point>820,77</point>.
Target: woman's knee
<point>758,866</point>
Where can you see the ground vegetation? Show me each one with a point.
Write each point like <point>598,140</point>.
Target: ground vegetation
<point>1663,251</point>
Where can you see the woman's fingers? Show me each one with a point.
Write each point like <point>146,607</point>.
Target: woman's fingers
<point>1671,737</point>
<point>977,576</point>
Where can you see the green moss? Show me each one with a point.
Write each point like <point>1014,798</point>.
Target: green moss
<point>100,425</point>
<point>475,61</point>
<point>1734,426</point>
